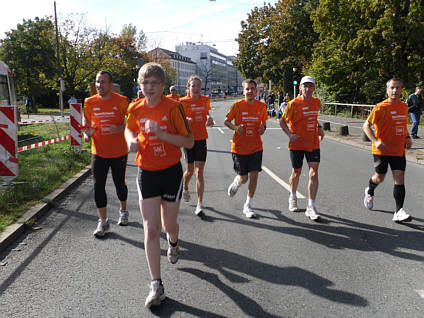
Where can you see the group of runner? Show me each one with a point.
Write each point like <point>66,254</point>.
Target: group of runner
<point>157,126</point>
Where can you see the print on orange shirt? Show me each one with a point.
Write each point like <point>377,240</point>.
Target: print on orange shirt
<point>101,114</point>
<point>155,154</point>
<point>302,117</point>
<point>390,123</point>
<point>250,116</point>
<point>197,110</point>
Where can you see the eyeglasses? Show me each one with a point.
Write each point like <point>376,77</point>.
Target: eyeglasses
<point>152,84</point>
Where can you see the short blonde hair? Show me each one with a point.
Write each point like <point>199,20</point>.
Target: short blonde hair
<point>192,78</point>
<point>151,69</point>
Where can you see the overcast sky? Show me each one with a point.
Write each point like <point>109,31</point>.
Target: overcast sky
<point>165,22</point>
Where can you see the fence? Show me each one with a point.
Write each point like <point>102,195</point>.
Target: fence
<point>361,110</point>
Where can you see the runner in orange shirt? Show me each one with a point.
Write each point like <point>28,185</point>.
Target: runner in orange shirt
<point>173,94</point>
<point>196,107</point>
<point>250,116</point>
<point>156,129</point>
<point>304,135</point>
<point>104,117</point>
<point>389,119</point>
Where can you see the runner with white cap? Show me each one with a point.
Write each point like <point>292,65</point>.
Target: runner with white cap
<point>305,134</point>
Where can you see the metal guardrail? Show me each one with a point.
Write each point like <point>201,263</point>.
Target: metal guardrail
<point>365,107</point>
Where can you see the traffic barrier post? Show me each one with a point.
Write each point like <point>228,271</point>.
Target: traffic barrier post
<point>9,167</point>
<point>75,124</point>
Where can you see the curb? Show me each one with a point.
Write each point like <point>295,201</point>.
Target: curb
<point>12,232</point>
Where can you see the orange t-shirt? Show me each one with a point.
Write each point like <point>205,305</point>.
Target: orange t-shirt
<point>302,116</point>
<point>250,116</point>
<point>177,96</point>
<point>102,113</point>
<point>390,123</point>
<point>197,109</point>
<point>155,154</point>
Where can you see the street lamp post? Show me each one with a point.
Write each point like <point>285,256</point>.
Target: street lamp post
<point>294,83</point>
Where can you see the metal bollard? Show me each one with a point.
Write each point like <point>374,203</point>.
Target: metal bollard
<point>344,130</point>
<point>326,125</point>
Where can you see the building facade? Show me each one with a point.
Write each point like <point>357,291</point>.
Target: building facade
<point>216,69</point>
<point>183,65</point>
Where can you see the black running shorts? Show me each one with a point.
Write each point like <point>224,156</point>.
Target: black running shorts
<point>396,163</point>
<point>243,164</point>
<point>197,153</point>
<point>166,183</point>
<point>296,157</point>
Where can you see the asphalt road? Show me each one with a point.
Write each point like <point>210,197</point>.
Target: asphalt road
<point>354,263</point>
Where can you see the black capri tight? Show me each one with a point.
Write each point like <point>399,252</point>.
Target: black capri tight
<point>100,168</point>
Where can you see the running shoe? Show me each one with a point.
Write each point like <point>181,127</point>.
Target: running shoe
<point>311,212</point>
<point>156,294</point>
<point>173,252</point>
<point>186,195</point>
<point>401,216</point>
<point>247,210</point>
<point>233,188</point>
<point>123,218</point>
<point>292,204</point>
<point>101,229</point>
<point>199,211</point>
<point>368,199</point>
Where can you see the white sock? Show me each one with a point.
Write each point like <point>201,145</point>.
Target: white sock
<point>248,200</point>
<point>236,181</point>
<point>103,220</point>
<point>199,205</point>
<point>311,202</point>
<point>293,195</point>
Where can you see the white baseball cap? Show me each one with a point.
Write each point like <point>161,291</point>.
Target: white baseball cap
<point>307,79</point>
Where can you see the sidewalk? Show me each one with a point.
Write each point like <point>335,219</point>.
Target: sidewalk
<point>415,154</point>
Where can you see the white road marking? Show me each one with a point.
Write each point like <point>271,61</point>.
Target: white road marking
<point>281,182</point>
<point>220,130</point>
<point>420,292</point>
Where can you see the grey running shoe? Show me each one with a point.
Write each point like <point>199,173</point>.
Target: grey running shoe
<point>101,229</point>
<point>248,212</point>
<point>123,217</point>
<point>401,216</point>
<point>233,188</point>
<point>368,199</point>
<point>311,212</point>
<point>292,204</point>
<point>156,294</point>
<point>173,252</point>
<point>186,195</point>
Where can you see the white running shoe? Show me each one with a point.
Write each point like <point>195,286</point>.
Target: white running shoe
<point>247,210</point>
<point>186,195</point>
<point>156,294</point>
<point>311,212</point>
<point>173,253</point>
<point>199,211</point>
<point>123,217</point>
<point>292,204</point>
<point>368,199</point>
<point>401,216</point>
<point>233,188</point>
<point>101,229</point>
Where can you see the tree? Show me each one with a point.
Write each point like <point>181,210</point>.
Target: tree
<point>274,40</point>
<point>207,73</point>
<point>363,44</point>
<point>30,51</point>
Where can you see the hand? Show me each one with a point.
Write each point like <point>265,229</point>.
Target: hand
<point>379,145</point>
<point>293,137</point>
<point>320,133</point>
<point>151,126</point>
<point>210,122</point>
<point>408,143</point>
<point>133,145</point>
<point>89,132</point>
<point>240,129</point>
<point>261,129</point>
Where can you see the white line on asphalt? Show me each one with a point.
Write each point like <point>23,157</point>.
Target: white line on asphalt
<point>281,182</point>
<point>220,130</point>
<point>420,292</point>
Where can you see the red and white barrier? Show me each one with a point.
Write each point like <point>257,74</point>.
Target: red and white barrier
<point>44,143</point>
<point>75,124</point>
<point>45,121</point>
<point>9,167</point>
